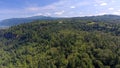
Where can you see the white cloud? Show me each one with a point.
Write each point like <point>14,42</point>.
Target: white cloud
<point>38,14</point>
<point>103,4</point>
<point>37,8</point>
<point>45,14</point>
<point>110,8</point>
<point>48,7</point>
<point>66,8</point>
<point>102,13</point>
<point>53,9</point>
<point>33,8</point>
<point>72,7</point>
<point>48,14</point>
<point>119,10</point>
<point>59,13</point>
<point>113,1</point>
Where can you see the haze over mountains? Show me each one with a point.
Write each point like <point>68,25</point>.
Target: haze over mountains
<point>17,21</point>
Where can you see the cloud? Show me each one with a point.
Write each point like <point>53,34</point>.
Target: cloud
<point>48,14</point>
<point>65,8</point>
<point>53,9</point>
<point>38,14</point>
<point>113,1</point>
<point>37,8</point>
<point>64,5</point>
<point>103,4</point>
<point>119,10</point>
<point>110,8</point>
<point>72,7</point>
<point>59,13</point>
<point>45,14</point>
<point>33,8</point>
<point>116,12</point>
<point>102,13</point>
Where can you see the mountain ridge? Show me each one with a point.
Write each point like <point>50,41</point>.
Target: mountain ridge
<point>17,21</point>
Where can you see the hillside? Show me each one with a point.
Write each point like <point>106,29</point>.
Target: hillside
<point>17,21</point>
<point>64,43</point>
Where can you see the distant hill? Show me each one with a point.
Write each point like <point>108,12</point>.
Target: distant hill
<point>102,18</point>
<point>16,21</point>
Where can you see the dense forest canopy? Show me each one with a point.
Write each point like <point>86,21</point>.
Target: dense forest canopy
<point>61,43</point>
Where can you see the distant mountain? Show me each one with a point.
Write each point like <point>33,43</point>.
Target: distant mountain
<point>102,18</point>
<point>17,21</point>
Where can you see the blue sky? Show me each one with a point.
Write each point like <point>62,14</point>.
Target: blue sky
<point>57,8</point>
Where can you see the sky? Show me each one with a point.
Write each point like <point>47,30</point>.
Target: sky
<point>57,8</point>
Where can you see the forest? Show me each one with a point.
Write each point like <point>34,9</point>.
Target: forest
<point>61,43</point>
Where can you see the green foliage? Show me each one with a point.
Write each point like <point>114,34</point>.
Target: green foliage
<point>73,43</point>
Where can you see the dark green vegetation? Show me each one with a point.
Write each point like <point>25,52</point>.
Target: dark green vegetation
<point>65,43</point>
